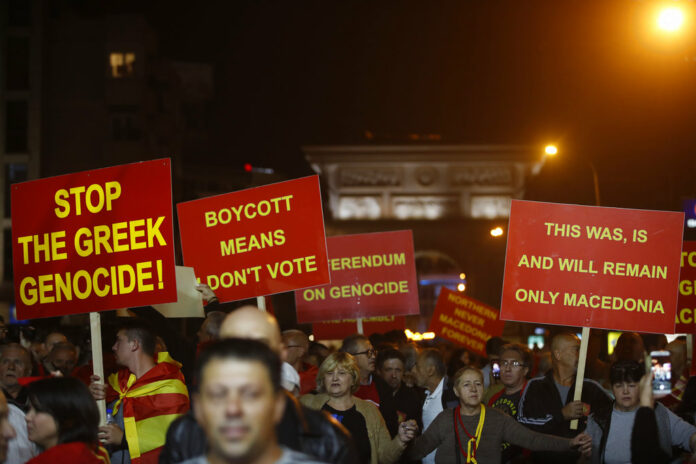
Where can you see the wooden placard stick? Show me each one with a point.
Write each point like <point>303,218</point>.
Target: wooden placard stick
<point>97,359</point>
<point>580,374</point>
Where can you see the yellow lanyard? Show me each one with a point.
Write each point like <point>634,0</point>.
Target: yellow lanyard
<point>471,457</point>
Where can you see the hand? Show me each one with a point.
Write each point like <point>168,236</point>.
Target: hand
<point>645,389</point>
<point>583,442</point>
<point>407,431</point>
<point>206,292</point>
<point>98,390</point>
<point>110,434</point>
<point>575,410</point>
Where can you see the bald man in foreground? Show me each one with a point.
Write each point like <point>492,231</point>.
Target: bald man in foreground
<point>547,404</point>
<point>302,429</point>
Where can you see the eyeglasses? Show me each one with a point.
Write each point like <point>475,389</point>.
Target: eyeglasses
<point>369,353</point>
<point>514,363</point>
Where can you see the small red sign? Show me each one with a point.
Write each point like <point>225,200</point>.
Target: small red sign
<point>94,240</point>
<point>337,330</point>
<point>686,304</point>
<point>371,275</point>
<point>465,321</point>
<point>258,241</point>
<point>587,266</point>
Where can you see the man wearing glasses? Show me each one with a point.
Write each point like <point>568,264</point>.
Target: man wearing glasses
<point>515,360</point>
<point>365,355</point>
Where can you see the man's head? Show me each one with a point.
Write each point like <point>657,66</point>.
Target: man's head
<point>515,362</point>
<point>430,368</point>
<point>391,367</point>
<point>629,347</point>
<point>297,344</point>
<point>677,351</point>
<point>63,357</point>
<point>210,329</point>
<point>7,432</point>
<point>15,362</point>
<point>251,323</point>
<point>239,401</point>
<point>493,346</point>
<point>565,351</point>
<point>360,347</point>
<point>52,339</point>
<point>134,339</point>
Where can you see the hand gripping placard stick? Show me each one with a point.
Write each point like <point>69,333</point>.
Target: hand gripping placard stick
<point>580,374</point>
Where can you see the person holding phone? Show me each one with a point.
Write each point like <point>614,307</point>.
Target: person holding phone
<point>611,428</point>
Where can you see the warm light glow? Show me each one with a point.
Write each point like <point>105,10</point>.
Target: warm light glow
<point>417,336</point>
<point>462,276</point>
<point>551,150</point>
<point>670,19</point>
<point>461,287</point>
<point>497,232</point>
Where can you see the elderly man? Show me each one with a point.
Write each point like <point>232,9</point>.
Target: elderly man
<point>15,362</point>
<point>399,402</point>
<point>63,358</point>
<point>365,355</point>
<point>297,344</point>
<point>241,426</point>
<point>300,428</point>
<point>547,404</point>
<point>430,373</point>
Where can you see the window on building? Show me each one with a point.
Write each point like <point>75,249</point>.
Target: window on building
<point>14,173</point>
<point>19,13</point>
<point>18,56</point>
<point>125,123</point>
<point>122,64</point>
<point>7,255</point>
<point>16,126</point>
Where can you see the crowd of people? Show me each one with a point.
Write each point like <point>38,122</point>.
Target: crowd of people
<point>248,392</point>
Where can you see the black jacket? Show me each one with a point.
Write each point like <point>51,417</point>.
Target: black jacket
<point>302,429</point>
<point>540,410</point>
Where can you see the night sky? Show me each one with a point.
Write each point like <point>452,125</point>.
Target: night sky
<point>593,76</point>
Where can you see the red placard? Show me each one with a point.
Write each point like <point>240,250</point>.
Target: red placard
<point>465,321</point>
<point>371,275</point>
<point>258,241</point>
<point>94,240</point>
<point>607,268</point>
<point>686,304</point>
<point>337,330</point>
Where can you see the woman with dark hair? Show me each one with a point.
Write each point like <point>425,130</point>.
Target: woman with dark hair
<point>63,420</point>
<point>611,429</point>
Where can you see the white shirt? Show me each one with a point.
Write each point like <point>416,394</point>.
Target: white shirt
<point>19,449</point>
<point>432,406</point>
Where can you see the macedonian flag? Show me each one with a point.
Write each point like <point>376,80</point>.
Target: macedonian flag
<point>149,404</point>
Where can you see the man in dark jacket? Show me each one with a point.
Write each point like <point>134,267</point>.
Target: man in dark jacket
<point>547,404</point>
<point>301,429</point>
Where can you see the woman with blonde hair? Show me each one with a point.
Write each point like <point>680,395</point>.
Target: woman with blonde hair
<point>473,433</point>
<point>337,380</point>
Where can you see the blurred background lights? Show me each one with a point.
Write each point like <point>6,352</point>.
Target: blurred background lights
<point>670,19</point>
<point>497,232</point>
<point>551,150</point>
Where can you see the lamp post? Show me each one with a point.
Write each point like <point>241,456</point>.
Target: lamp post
<point>550,151</point>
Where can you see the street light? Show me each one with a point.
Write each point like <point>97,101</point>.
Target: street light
<point>549,152</point>
<point>497,232</point>
<point>670,19</point>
